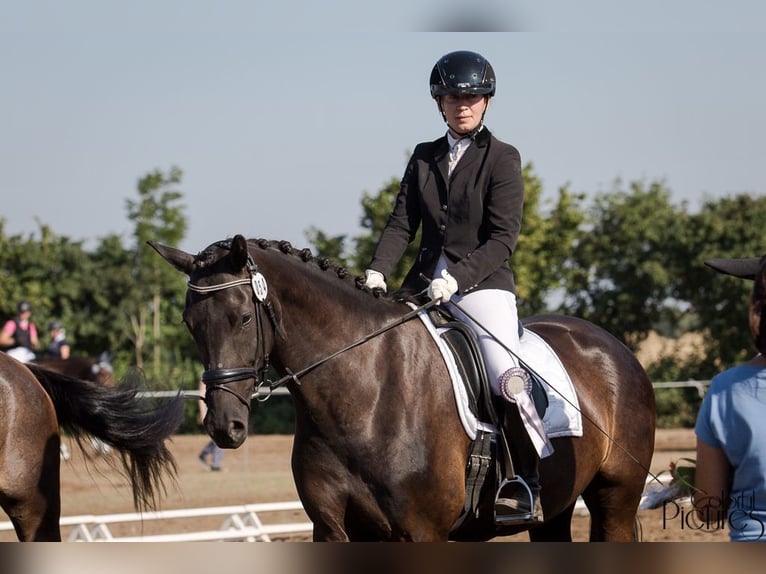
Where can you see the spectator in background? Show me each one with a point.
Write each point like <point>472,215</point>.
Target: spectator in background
<point>211,449</point>
<point>58,348</point>
<point>19,335</point>
<point>730,475</point>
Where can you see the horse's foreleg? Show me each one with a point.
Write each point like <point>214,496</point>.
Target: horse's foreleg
<point>324,501</point>
<point>326,512</point>
<point>329,532</point>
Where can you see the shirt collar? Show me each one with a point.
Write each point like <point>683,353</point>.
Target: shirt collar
<point>464,141</point>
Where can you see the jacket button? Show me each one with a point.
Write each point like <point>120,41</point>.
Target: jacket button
<point>444,207</point>
<point>442,227</point>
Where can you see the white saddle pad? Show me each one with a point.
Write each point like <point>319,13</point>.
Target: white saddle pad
<point>563,416</point>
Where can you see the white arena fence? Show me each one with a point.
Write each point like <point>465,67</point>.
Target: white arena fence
<point>240,523</point>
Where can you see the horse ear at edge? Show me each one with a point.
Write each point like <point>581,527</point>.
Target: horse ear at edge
<point>181,260</point>
<point>239,251</point>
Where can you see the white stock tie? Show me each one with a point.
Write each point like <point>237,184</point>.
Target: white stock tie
<point>456,152</point>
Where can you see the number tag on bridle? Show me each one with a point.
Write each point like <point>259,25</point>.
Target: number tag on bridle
<point>260,288</point>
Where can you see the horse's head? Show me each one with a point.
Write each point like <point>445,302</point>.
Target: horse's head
<point>226,314</point>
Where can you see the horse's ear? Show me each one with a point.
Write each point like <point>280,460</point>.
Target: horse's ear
<point>181,260</point>
<point>239,251</point>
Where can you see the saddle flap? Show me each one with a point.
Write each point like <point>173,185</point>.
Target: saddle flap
<point>461,341</point>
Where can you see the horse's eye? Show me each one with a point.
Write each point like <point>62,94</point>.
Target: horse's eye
<point>247,318</point>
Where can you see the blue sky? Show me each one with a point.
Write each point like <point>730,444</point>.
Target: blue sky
<point>281,117</point>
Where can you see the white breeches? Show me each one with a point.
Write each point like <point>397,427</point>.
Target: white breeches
<point>21,354</point>
<point>496,311</point>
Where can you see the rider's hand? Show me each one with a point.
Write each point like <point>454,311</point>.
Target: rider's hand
<point>374,280</point>
<point>442,288</point>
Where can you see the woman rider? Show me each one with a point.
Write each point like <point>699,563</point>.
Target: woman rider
<point>466,191</point>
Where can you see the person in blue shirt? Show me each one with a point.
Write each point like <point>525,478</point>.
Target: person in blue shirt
<point>730,476</point>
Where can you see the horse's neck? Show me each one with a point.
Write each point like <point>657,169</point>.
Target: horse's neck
<point>320,316</point>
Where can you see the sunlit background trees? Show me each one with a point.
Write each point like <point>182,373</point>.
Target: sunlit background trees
<point>629,259</point>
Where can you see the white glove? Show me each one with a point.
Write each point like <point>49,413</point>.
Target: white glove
<point>442,288</point>
<point>374,280</point>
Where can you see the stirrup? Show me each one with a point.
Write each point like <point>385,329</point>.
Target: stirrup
<point>524,509</point>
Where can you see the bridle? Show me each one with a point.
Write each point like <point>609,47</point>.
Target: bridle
<point>218,379</point>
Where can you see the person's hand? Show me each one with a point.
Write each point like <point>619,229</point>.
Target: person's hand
<point>374,280</point>
<point>442,288</point>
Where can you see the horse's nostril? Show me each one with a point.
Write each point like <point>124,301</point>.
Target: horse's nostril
<point>228,433</point>
<point>237,429</point>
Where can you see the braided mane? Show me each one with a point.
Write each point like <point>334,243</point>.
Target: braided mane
<point>212,254</point>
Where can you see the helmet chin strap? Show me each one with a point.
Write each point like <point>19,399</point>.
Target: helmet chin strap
<point>470,134</point>
<point>462,135</point>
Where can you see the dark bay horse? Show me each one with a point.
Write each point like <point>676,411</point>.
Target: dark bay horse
<point>35,403</point>
<point>379,452</point>
<point>95,369</point>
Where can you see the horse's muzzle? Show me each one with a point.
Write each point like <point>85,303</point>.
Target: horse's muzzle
<point>227,422</point>
<point>230,435</point>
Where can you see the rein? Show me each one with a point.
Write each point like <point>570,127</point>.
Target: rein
<point>403,319</point>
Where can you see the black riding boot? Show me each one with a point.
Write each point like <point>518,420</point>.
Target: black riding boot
<point>518,498</point>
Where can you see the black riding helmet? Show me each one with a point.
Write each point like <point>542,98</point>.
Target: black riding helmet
<point>462,72</point>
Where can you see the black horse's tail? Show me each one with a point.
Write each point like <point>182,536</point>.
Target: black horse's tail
<point>136,427</point>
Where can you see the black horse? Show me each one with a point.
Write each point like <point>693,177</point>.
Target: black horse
<point>379,452</point>
<point>35,403</point>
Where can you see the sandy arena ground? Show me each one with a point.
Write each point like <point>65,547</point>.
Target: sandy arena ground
<point>259,471</point>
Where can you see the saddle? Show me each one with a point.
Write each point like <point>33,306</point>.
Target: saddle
<point>484,471</point>
<point>464,346</point>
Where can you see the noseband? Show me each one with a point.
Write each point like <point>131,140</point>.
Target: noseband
<point>217,379</point>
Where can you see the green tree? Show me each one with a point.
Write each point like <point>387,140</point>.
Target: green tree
<point>331,247</point>
<point>539,262</point>
<point>54,274</point>
<point>621,276</point>
<point>158,215</point>
<point>70,268</point>
<point>548,234</point>
<point>106,300</point>
<point>22,275</point>
<point>732,226</point>
<point>376,210</point>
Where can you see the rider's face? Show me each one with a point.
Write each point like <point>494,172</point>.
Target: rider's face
<point>464,111</point>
